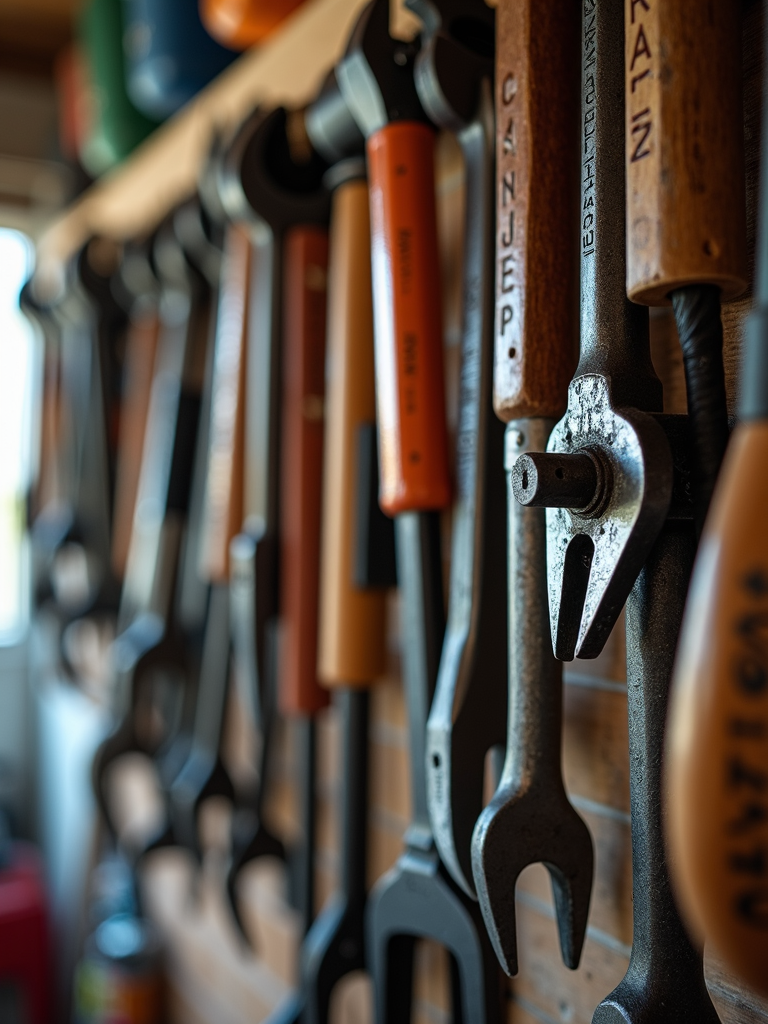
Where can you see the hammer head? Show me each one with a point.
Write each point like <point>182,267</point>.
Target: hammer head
<point>595,554</point>
<point>527,826</point>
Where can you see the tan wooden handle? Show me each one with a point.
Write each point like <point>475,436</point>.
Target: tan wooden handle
<point>717,741</point>
<point>352,621</point>
<point>537,100</point>
<point>305,274</point>
<point>686,220</point>
<point>223,503</point>
<point>140,350</point>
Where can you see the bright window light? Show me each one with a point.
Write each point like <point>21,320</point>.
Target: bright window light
<point>17,375</point>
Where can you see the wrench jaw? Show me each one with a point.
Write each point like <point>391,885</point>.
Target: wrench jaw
<point>456,771</point>
<point>418,900</point>
<point>333,948</point>
<point>250,841</point>
<point>548,833</point>
<point>594,555</point>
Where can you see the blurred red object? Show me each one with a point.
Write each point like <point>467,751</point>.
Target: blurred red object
<point>25,956</point>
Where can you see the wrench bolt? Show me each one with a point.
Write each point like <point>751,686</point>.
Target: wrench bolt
<point>576,481</point>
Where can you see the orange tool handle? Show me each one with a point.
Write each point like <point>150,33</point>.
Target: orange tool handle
<point>537,277</point>
<point>305,273</point>
<point>141,347</point>
<point>351,650</point>
<point>239,24</point>
<point>686,202</point>
<point>410,386</point>
<point>223,501</point>
<point>717,739</point>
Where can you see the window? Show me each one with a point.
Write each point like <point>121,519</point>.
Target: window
<point>19,357</point>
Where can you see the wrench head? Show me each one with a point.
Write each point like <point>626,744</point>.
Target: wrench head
<point>459,734</point>
<point>594,557</point>
<point>417,900</point>
<point>333,947</point>
<point>525,826</point>
<point>456,55</point>
<point>250,841</point>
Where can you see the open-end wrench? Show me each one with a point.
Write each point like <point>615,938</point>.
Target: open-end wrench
<point>416,899</point>
<point>454,76</point>
<point>273,186</point>
<point>686,229</point>
<point>529,818</point>
<point>665,978</point>
<point>305,269</point>
<point>716,752</point>
<point>148,642</point>
<point>203,774</point>
<point>351,649</point>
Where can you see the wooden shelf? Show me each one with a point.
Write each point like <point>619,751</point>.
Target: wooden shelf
<point>133,199</point>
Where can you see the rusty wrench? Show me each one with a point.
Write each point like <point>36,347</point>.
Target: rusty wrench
<point>606,469</point>
<point>529,818</point>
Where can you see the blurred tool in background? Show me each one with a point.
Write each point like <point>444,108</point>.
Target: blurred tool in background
<point>169,55</point>
<point>243,23</point>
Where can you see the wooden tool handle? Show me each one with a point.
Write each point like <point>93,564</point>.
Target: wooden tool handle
<point>686,220</point>
<point>223,502</point>
<point>717,743</point>
<point>140,349</point>
<point>410,387</point>
<point>351,648</point>
<point>239,24</point>
<point>537,103</point>
<point>305,271</point>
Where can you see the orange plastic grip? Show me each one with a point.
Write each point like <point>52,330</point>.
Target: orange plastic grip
<point>352,647</point>
<point>305,272</point>
<point>141,346</point>
<point>717,737</point>
<point>223,503</point>
<point>410,386</point>
<point>239,24</point>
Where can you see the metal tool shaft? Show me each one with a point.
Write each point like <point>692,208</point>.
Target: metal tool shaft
<point>665,979</point>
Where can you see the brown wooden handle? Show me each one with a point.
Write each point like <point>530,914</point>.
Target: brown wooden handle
<point>305,272</point>
<point>352,621</point>
<point>223,503</point>
<point>717,741</point>
<point>140,349</point>
<point>537,101</point>
<point>686,220</point>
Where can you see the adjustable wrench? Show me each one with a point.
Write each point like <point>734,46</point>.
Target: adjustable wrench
<point>610,462</point>
<point>454,82</point>
<point>351,651</point>
<point>529,818</point>
<point>716,739</point>
<point>273,190</point>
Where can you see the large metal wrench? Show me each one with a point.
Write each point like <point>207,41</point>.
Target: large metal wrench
<point>529,818</point>
<point>665,980</point>
<point>417,899</point>
<point>454,83</point>
<point>271,189</point>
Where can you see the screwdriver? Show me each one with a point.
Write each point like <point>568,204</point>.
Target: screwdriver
<point>686,219</point>
<point>717,739</point>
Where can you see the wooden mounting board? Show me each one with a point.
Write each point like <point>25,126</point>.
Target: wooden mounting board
<point>130,201</point>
